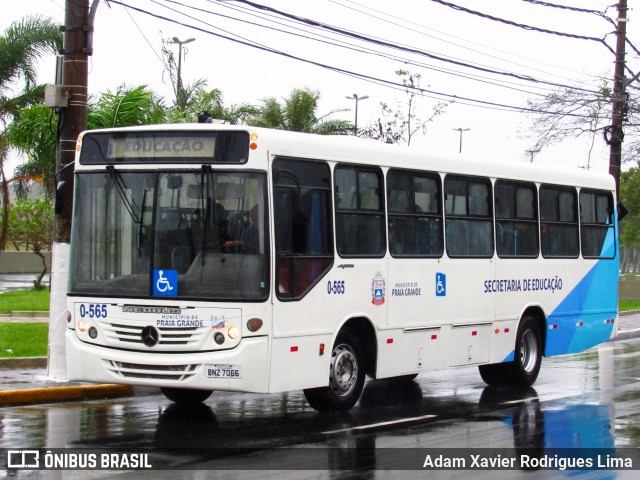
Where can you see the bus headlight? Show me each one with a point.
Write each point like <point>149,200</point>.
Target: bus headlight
<point>82,325</point>
<point>233,333</point>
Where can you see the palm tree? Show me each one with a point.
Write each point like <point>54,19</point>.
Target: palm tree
<point>33,133</point>
<point>21,45</point>
<point>298,113</point>
<point>199,99</point>
<point>125,107</point>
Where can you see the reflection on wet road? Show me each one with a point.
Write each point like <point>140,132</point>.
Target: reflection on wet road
<point>589,400</point>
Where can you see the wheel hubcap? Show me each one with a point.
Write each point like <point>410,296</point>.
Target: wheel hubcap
<point>528,351</point>
<point>344,370</point>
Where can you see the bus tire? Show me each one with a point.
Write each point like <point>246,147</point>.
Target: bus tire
<point>186,396</point>
<point>346,377</point>
<point>528,352</point>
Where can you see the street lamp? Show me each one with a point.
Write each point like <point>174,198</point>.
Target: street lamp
<point>357,99</point>
<point>179,94</point>
<point>532,153</point>
<point>461,130</point>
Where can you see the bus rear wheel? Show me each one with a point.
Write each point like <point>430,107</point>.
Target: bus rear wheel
<point>523,371</point>
<point>346,377</point>
<point>186,396</point>
<point>528,354</point>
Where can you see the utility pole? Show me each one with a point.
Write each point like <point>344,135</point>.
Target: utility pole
<point>73,118</point>
<point>77,32</point>
<point>614,133</point>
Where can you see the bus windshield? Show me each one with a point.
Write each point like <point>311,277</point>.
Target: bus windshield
<point>196,234</point>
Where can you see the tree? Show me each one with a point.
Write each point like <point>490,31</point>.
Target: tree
<point>33,133</point>
<point>298,113</point>
<point>127,106</point>
<point>31,224</point>
<point>630,198</point>
<point>574,112</point>
<point>210,101</point>
<point>400,125</point>
<point>21,44</point>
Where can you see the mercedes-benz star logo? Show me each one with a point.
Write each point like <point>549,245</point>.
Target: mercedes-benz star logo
<point>150,336</point>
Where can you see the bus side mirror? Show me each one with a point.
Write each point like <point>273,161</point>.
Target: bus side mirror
<point>61,190</point>
<point>622,211</point>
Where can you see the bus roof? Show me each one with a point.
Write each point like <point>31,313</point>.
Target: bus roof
<point>346,148</point>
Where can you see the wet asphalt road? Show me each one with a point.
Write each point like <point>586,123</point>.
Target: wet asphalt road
<point>19,281</point>
<point>588,400</point>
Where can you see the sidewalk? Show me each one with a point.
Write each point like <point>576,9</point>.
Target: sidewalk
<point>24,381</point>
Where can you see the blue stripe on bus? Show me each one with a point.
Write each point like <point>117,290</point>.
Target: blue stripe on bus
<point>580,320</point>
<point>597,304</point>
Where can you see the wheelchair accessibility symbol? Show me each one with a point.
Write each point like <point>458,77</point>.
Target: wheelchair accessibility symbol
<point>441,285</point>
<point>165,283</point>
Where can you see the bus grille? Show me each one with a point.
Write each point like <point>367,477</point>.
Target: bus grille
<point>177,373</point>
<point>132,334</point>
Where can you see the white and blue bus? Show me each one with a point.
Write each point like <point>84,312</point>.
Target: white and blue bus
<point>215,257</point>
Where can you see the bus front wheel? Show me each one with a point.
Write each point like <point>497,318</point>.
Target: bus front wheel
<point>186,396</point>
<point>346,377</point>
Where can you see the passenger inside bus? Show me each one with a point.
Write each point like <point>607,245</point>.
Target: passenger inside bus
<point>249,240</point>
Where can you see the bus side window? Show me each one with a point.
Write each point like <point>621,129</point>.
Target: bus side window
<point>559,222</point>
<point>415,214</point>
<point>468,216</point>
<point>516,219</point>
<point>596,223</point>
<point>360,229</point>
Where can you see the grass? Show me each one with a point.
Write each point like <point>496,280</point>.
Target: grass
<point>626,305</point>
<point>21,300</point>
<point>23,339</point>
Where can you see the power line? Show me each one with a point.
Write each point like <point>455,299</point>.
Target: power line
<point>396,85</point>
<point>327,41</point>
<point>522,25</point>
<point>389,15</point>
<point>584,10</point>
<point>478,78</point>
<point>573,9</point>
<point>412,50</point>
<point>144,36</point>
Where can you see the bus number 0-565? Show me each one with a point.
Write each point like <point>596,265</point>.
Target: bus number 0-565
<point>336,287</point>
<point>93,310</point>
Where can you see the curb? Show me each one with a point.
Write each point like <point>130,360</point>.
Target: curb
<point>14,363</point>
<point>627,334</point>
<point>56,394</point>
<point>26,314</point>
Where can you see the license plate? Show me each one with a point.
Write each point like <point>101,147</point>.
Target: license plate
<point>223,371</point>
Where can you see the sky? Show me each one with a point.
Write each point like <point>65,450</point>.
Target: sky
<point>127,45</point>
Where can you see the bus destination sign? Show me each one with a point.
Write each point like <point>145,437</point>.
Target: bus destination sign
<point>135,146</point>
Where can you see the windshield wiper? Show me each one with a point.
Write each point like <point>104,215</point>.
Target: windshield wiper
<point>141,227</point>
<point>116,178</point>
<point>204,183</point>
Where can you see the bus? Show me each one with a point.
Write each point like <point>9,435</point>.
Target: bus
<point>216,257</point>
